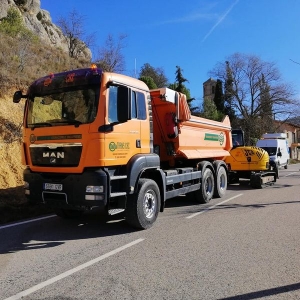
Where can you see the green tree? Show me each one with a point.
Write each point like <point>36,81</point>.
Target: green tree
<point>219,97</point>
<point>209,110</point>
<point>149,81</point>
<point>179,79</point>
<point>228,96</point>
<point>157,74</point>
<point>180,87</point>
<point>246,93</point>
<point>266,112</point>
<point>12,24</point>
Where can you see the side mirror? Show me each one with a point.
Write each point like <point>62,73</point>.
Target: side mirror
<point>17,96</point>
<point>279,154</point>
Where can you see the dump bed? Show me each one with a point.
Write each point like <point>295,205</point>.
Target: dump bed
<point>178,134</point>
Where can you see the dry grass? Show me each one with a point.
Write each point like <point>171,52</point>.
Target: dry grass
<point>21,63</point>
<point>13,204</point>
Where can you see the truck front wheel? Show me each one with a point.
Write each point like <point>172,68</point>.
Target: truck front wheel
<point>142,208</point>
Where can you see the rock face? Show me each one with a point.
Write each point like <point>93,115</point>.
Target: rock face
<point>38,21</point>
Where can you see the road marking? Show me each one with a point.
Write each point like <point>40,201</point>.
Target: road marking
<point>72,271</point>
<point>28,221</point>
<point>290,174</point>
<point>211,207</point>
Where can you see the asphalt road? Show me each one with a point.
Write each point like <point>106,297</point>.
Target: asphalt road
<point>243,246</point>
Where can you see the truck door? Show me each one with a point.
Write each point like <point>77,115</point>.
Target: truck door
<point>127,135</point>
<point>139,117</point>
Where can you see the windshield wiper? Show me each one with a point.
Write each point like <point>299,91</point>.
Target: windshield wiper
<point>41,124</point>
<point>67,122</point>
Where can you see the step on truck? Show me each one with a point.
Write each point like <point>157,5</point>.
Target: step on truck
<point>98,139</point>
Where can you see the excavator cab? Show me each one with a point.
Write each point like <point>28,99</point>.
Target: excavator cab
<point>237,138</point>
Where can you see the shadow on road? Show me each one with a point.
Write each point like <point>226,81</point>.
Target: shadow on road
<point>54,231</point>
<point>265,293</point>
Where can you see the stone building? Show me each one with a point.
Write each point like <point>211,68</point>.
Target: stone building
<point>293,137</point>
<point>209,89</point>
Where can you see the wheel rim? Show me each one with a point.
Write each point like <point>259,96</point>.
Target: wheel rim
<point>149,204</point>
<point>209,186</point>
<point>222,182</point>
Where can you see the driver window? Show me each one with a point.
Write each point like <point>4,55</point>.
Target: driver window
<point>112,104</point>
<point>133,105</point>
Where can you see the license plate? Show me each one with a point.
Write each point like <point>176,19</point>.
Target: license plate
<point>53,186</point>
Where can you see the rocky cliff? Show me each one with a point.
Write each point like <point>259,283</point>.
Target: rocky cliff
<point>38,21</point>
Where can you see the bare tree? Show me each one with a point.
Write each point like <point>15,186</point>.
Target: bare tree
<point>110,57</point>
<point>74,33</point>
<point>255,86</point>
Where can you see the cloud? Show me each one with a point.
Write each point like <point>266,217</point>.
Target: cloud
<point>221,19</point>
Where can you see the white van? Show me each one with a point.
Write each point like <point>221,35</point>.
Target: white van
<point>277,147</point>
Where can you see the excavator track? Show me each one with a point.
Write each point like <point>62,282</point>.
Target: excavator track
<point>259,180</point>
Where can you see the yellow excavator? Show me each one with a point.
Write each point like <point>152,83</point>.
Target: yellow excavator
<point>249,162</point>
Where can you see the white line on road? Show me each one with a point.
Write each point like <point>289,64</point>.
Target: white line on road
<point>290,174</point>
<point>72,271</point>
<point>211,207</point>
<point>28,221</point>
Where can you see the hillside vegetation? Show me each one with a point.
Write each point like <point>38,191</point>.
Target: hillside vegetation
<point>13,204</point>
<point>21,61</point>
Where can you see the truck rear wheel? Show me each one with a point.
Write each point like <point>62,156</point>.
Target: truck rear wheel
<point>142,208</point>
<point>221,183</point>
<point>206,191</point>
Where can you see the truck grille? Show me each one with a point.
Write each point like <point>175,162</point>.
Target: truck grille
<point>56,155</point>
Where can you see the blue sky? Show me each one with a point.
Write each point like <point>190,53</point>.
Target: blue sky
<point>194,35</point>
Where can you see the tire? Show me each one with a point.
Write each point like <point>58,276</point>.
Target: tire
<point>68,213</point>
<point>286,166</point>
<point>220,183</point>
<point>206,191</point>
<point>233,178</point>
<point>255,181</point>
<point>142,208</point>
<point>273,167</point>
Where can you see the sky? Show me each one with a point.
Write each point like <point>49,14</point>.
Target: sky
<point>193,34</point>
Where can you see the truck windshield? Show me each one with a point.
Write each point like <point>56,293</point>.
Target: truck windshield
<point>271,150</point>
<point>66,107</point>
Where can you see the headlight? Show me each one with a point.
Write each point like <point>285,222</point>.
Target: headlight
<point>94,197</point>
<point>94,189</point>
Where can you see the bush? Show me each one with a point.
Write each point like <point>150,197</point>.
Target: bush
<point>39,16</point>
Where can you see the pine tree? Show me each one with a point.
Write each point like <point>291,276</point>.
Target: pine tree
<point>228,95</point>
<point>219,97</point>
<point>209,110</point>
<point>266,111</point>
<point>181,88</point>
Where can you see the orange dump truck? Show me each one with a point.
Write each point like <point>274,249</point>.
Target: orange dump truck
<point>97,139</point>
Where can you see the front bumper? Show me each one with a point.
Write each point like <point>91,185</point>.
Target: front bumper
<point>71,189</point>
